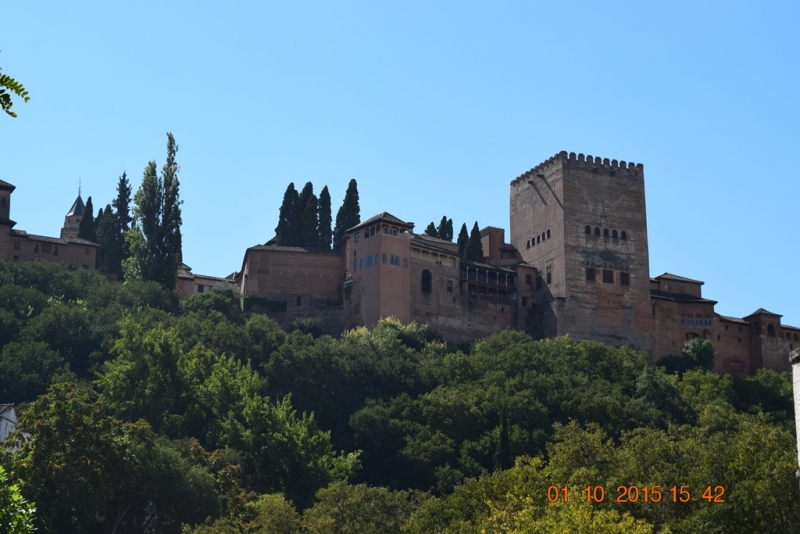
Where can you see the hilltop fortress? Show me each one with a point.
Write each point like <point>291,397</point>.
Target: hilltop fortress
<point>577,263</point>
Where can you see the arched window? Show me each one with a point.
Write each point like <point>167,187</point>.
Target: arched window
<point>426,281</point>
<point>542,236</point>
<point>528,245</point>
<point>605,232</point>
<point>548,234</point>
<point>795,337</point>
<point>788,335</point>
<point>597,230</point>
<point>55,251</point>
<point>538,238</point>
<point>36,248</point>
<point>614,234</point>
<point>587,230</point>
<point>624,235</point>
<point>770,330</point>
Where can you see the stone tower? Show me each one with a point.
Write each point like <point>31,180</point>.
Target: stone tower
<point>581,222</point>
<point>72,221</point>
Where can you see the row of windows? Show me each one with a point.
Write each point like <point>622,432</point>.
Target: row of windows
<point>538,239</point>
<point>789,336</point>
<point>608,276</point>
<point>46,249</point>
<point>361,263</point>
<point>433,257</point>
<point>696,322</point>
<point>612,234</point>
<point>372,230</point>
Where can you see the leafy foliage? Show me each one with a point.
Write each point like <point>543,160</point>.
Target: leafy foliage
<point>154,239</point>
<point>10,87</point>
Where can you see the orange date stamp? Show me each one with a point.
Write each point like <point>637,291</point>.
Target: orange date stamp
<point>634,494</point>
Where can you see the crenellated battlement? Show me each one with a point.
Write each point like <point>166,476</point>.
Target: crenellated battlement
<point>572,159</point>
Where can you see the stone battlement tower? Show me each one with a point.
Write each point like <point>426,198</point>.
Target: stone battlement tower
<point>581,222</point>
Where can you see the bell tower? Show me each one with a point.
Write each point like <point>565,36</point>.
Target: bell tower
<point>72,221</point>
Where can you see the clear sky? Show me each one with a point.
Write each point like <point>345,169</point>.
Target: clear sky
<point>433,107</point>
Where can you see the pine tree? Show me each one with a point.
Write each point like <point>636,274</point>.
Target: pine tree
<point>431,230</point>
<point>349,215</point>
<point>450,229</point>
<point>324,218</point>
<point>155,236</point>
<point>463,237</point>
<point>286,233</point>
<point>119,250</point>
<point>309,216</point>
<point>86,228</point>
<point>473,251</point>
<point>106,221</point>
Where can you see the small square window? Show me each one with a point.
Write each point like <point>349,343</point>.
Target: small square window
<point>357,236</point>
<point>528,279</point>
<point>625,278</point>
<point>405,262</point>
<point>608,276</point>
<point>591,274</point>
<point>450,286</point>
<point>549,278</point>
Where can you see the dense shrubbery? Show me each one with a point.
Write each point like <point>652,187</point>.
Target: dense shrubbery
<point>152,415</point>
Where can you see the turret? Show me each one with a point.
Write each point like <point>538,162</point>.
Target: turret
<point>72,221</point>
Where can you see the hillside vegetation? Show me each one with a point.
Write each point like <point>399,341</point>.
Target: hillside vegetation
<point>150,414</point>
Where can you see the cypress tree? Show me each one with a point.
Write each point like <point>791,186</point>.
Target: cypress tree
<point>431,230</point>
<point>445,229</point>
<point>309,216</point>
<point>171,219</point>
<point>473,251</point>
<point>324,218</point>
<point>86,228</point>
<point>106,238</point>
<point>463,237</point>
<point>349,215</point>
<point>155,236</point>
<point>286,233</point>
<point>122,222</point>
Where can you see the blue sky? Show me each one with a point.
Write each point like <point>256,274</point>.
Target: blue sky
<point>432,107</point>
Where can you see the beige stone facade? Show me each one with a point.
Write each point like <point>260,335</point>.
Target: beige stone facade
<point>20,246</point>
<point>577,263</point>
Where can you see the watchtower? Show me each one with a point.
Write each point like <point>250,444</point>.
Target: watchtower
<point>581,222</point>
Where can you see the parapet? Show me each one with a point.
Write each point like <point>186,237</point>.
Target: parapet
<point>596,164</point>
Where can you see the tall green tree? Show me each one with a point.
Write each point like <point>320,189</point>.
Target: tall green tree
<point>86,228</point>
<point>431,230</point>
<point>325,219</point>
<point>8,87</point>
<point>119,250</point>
<point>463,237</point>
<point>309,216</point>
<point>349,214</point>
<point>287,232</point>
<point>155,236</point>
<point>473,251</point>
<point>104,228</point>
<point>445,229</point>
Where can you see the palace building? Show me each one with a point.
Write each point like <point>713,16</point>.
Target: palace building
<point>68,249</point>
<point>576,263</point>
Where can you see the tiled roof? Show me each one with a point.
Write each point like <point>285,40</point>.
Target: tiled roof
<point>314,250</point>
<point>762,310</point>
<point>383,216</point>
<point>77,207</point>
<point>669,276</point>
<point>732,319</point>
<point>665,295</point>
